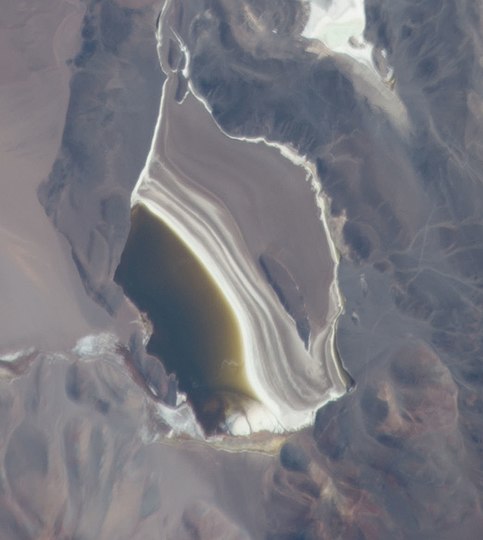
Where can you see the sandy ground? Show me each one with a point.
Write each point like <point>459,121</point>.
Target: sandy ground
<point>43,300</point>
<point>85,461</point>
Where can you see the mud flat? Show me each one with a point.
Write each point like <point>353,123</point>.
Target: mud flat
<point>237,205</point>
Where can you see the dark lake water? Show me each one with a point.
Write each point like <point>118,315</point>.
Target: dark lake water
<point>196,333</point>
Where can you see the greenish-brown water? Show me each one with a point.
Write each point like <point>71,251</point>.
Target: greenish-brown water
<point>195,331</point>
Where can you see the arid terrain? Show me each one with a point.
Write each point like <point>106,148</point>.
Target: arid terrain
<point>330,185</point>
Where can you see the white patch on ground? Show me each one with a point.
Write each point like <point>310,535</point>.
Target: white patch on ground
<point>95,345</point>
<point>181,419</point>
<point>16,355</point>
<point>339,25</point>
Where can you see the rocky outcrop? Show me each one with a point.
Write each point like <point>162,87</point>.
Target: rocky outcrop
<point>115,89</point>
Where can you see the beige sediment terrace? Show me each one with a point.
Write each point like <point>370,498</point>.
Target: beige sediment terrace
<point>233,202</point>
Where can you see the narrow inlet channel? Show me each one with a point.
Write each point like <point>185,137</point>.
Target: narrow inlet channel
<point>195,331</point>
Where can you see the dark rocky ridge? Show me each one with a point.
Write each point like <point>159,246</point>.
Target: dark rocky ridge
<point>115,90</point>
<point>288,293</point>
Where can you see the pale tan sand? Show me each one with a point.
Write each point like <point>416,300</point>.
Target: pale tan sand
<point>43,300</point>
